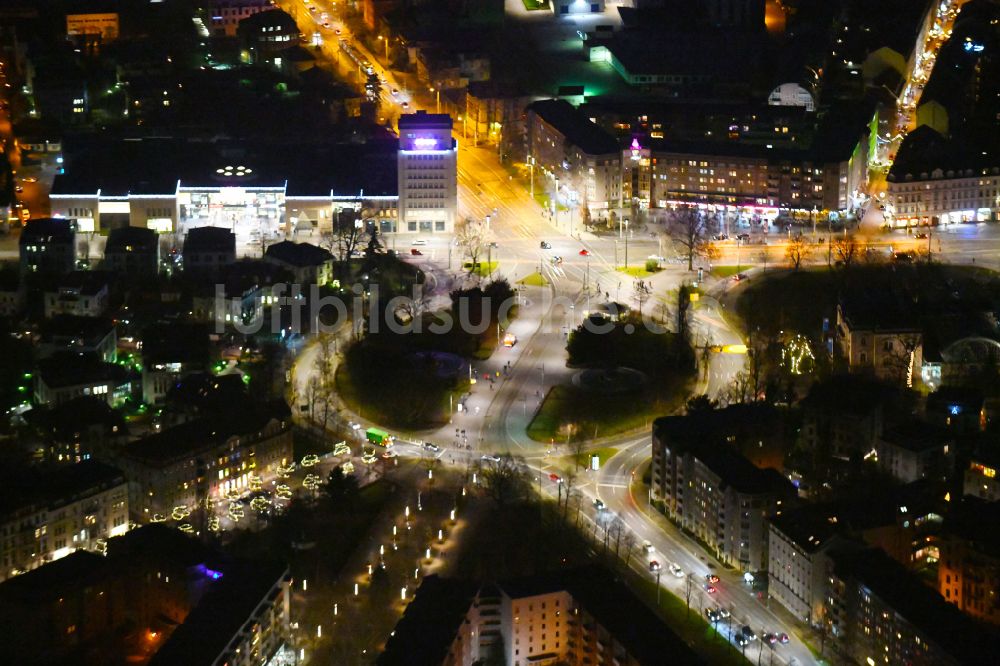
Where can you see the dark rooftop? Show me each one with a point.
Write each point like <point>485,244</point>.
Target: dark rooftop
<point>47,229</point>
<point>132,239</point>
<point>917,435</point>
<point>65,421</point>
<point>698,435</point>
<point>298,254</point>
<point>161,165</point>
<point>202,434</point>
<point>89,329</point>
<point>87,283</point>
<point>69,369</point>
<point>210,239</point>
<point>430,623</point>
<point>941,622</point>
<point>54,488</point>
<point>424,120</point>
<point>575,126</point>
<point>221,613</point>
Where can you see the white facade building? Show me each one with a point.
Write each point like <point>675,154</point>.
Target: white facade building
<point>428,176</point>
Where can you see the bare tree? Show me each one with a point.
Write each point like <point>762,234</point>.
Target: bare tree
<point>848,250</point>
<point>797,251</point>
<point>471,237</point>
<point>569,485</point>
<point>346,235</point>
<point>629,544</point>
<point>691,230</point>
<point>506,480</point>
<point>899,355</point>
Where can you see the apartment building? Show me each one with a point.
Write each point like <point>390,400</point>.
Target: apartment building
<point>706,486</point>
<point>577,616</point>
<point>47,516</point>
<point>969,568</point>
<point>80,293</point>
<point>205,459</point>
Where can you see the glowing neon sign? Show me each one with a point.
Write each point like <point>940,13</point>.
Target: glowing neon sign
<point>425,143</point>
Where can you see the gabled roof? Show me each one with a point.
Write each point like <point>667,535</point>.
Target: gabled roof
<point>299,255</point>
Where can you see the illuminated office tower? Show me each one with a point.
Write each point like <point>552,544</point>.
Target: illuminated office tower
<point>427,174</point>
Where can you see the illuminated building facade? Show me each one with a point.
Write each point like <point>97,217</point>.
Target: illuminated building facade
<point>205,460</point>
<point>225,15</point>
<point>981,477</point>
<point>77,507</point>
<point>428,175</point>
<point>712,490</point>
<point>579,616</point>
<point>969,569</point>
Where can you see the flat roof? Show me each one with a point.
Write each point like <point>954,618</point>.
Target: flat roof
<point>161,166</point>
<point>576,127</point>
<point>25,487</point>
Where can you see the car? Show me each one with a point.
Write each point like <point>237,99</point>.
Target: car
<point>585,252</point>
<point>920,236</point>
<point>545,245</point>
<point>739,277</point>
<point>337,31</point>
<point>657,257</point>
<point>711,589</point>
<point>903,257</point>
<point>743,237</point>
<point>724,613</point>
<point>770,639</point>
<point>599,505</point>
<point>720,237</point>
<point>712,615</point>
<point>493,244</point>
<point>712,578</point>
<point>29,179</point>
<point>491,458</point>
<point>19,189</point>
<point>654,566</point>
<point>676,570</point>
<point>405,105</point>
<point>327,25</point>
<point>555,261</point>
<point>415,252</point>
<point>747,633</point>
<point>389,453</point>
<point>432,447</point>
<point>313,10</point>
<point>509,340</point>
<point>555,478</point>
<point>419,241</point>
<point>648,548</point>
<point>394,92</point>
<point>353,426</point>
<point>741,640</point>
<point>783,638</point>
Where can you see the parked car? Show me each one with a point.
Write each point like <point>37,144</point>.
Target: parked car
<point>545,245</point>
<point>599,505</point>
<point>654,566</point>
<point>432,447</point>
<point>491,458</point>
<point>414,251</point>
<point>783,638</point>
<point>676,570</point>
<point>920,236</point>
<point>647,547</point>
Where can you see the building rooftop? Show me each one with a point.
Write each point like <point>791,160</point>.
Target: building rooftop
<point>71,369</point>
<point>65,421</point>
<point>203,433</point>
<point>575,126</point>
<point>229,603</point>
<point>132,239</point>
<point>424,120</point>
<point>162,165</point>
<point>90,330</point>
<point>32,486</point>
<point>47,230</point>
<point>928,612</point>
<point>914,435</point>
<point>298,254</point>
<point>707,441</point>
<point>210,239</point>
<point>430,623</point>
<point>88,283</point>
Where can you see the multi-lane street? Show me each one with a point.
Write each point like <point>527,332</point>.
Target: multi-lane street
<point>495,414</point>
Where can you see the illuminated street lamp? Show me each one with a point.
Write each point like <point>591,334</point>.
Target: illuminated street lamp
<point>437,92</point>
